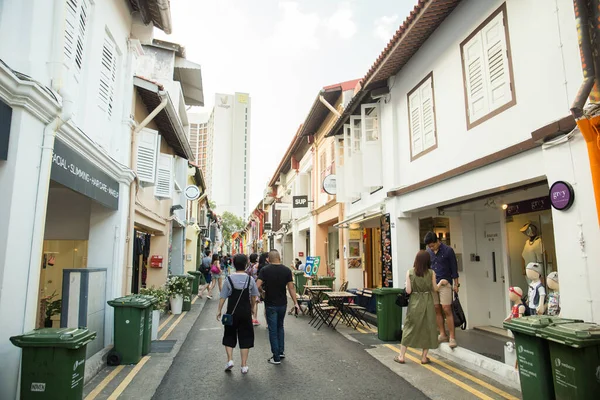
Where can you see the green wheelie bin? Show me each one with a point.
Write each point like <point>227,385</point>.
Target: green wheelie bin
<point>575,360</point>
<point>53,362</point>
<point>196,282</point>
<point>147,340</point>
<point>326,281</point>
<point>389,315</point>
<point>533,354</point>
<point>130,325</point>
<point>300,281</point>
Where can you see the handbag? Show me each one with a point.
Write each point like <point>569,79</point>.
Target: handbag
<point>227,319</point>
<point>460,320</point>
<point>215,270</point>
<point>402,299</point>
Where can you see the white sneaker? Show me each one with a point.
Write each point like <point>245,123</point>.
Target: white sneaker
<point>209,297</point>
<point>245,370</point>
<point>272,361</point>
<point>229,366</point>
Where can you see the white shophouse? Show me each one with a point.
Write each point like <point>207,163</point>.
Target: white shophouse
<point>468,97</point>
<point>65,95</point>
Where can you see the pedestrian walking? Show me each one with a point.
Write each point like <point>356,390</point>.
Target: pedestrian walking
<point>443,263</point>
<point>216,273</point>
<point>252,270</point>
<point>240,291</point>
<point>420,325</point>
<point>205,270</point>
<point>274,279</point>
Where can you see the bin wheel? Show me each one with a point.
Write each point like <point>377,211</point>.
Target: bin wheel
<point>113,358</point>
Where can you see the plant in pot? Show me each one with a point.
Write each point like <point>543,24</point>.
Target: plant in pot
<point>159,307</point>
<point>53,307</point>
<point>177,288</point>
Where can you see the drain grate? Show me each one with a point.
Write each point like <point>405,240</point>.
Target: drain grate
<point>162,346</point>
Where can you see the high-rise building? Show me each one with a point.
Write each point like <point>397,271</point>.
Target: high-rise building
<point>229,129</point>
<point>201,141</point>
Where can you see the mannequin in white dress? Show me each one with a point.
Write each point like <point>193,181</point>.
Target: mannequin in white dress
<point>533,249</point>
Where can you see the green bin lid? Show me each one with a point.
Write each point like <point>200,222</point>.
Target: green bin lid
<point>131,301</point>
<point>326,278</point>
<point>533,324</point>
<point>579,334</point>
<point>70,338</point>
<point>298,272</point>
<point>198,273</point>
<point>151,299</point>
<point>387,290</point>
<point>186,276</point>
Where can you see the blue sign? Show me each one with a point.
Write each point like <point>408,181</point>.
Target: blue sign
<point>312,265</point>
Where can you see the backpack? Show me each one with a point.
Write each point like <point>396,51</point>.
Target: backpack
<point>205,267</point>
<point>528,311</point>
<point>460,320</point>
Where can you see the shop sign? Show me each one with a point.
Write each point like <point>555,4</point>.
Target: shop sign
<point>192,192</point>
<point>562,195</point>
<point>300,201</point>
<point>527,206</point>
<point>312,265</point>
<point>329,184</point>
<point>268,226</point>
<point>5,119</point>
<point>75,172</point>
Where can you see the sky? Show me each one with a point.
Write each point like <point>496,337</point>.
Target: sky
<point>281,53</point>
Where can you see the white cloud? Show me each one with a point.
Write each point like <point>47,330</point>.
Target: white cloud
<point>385,27</point>
<point>296,31</point>
<point>342,22</point>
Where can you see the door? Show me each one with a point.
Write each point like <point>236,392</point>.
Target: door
<point>494,273</point>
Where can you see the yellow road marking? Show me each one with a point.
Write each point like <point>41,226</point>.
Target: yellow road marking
<point>470,377</point>
<point>357,328</point>
<point>160,328</point>
<point>177,321</point>
<point>458,383</point>
<point>119,390</point>
<point>195,298</point>
<point>104,383</point>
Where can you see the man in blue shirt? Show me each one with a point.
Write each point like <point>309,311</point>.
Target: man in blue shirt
<point>443,263</point>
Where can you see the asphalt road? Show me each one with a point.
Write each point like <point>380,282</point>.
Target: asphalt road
<point>319,365</point>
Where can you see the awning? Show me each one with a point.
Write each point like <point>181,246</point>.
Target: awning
<point>189,74</point>
<point>358,219</point>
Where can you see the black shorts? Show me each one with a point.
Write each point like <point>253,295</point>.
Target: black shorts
<point>242,330</point>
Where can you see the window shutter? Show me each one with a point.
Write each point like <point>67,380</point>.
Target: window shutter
<point>76,20</point>
<point>357,154</point>
<point>371,150</point>
<point>72,11</point>
<point>108,76</point>
<point>355,134</point>
<point>147,153</point>
<point>474,65</point>
<point>164,176</point>
<point>427,112</point>
<point>416,129</point>
<point>370,122</point>
<point>496,58</point>
<point>351,184</point>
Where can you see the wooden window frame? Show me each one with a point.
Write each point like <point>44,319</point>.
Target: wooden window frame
<point>502,9</point>
<point>410,143</point>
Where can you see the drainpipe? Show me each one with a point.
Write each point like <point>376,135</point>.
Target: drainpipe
<point>329,106</point>
<point>133,190</point>
<point>591,72</point>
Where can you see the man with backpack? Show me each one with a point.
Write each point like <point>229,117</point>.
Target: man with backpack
<point>205,270</point>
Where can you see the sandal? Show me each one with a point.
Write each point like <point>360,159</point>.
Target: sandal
<point>398,360</point>
<point>427,361</point>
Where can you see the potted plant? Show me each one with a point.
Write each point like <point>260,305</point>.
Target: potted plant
<point>157,308</point>
<point>53,307</point>
<point>177,287</point>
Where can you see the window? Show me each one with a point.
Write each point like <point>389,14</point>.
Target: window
<point>164,176</point>
<point>77,17</point>
<point>147,153</point>
<point>487,70</point>
<point>108,76</point>
<point>421,113</point>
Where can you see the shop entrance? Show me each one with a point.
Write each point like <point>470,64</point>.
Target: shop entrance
<point>494,282</point>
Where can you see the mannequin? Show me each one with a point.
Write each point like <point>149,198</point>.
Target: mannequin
<point>537,292</point>
<point>516,297</point>
<point>554,295</point>
<point>532,251</point>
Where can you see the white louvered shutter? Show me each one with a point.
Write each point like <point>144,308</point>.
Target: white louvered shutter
<point>496,58</point>
<point>76,20</point>
<point>147,154</point>
<point>340,176</point>
<point>474,65</point>
<point>371,142</point>
<point>357,154</point>
<point>164,177</point>
<point>108,76</point>
<point>416,128</point>
<point>351,186</point>
<point>427,113</point>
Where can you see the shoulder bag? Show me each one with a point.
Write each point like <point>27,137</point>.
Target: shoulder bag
<point>402,299</point>
<point>460,320</point>
<point>227,319</point>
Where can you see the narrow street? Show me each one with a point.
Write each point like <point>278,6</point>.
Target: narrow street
<point>319,365</point>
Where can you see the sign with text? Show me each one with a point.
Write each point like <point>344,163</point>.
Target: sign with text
<point>5,119</point>
<point>300,201</point>
<point>72,170</point>
<point>312,265</point>
<point>562,195</point>
<point>527,206</point>
<point>283,206</point>
<point>268,226</point>
<point>330,184</point>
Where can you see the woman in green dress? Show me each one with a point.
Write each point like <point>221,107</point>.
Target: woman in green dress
<point>420,329</point>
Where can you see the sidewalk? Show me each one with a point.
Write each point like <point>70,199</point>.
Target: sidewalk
<point>141,381</point>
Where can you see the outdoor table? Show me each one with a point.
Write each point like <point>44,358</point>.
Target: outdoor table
<point>337,300</point>
<point>316,294</point>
